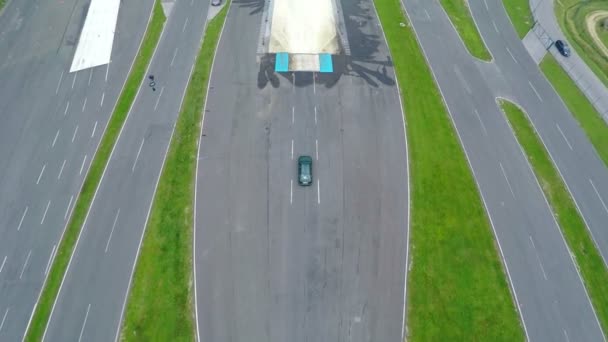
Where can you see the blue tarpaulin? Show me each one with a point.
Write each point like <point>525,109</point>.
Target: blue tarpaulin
<point>325,63</point>
<point>282,62</point>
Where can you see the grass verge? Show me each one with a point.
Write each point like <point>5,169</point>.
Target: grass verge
<point>457,288</point>
<point>160,299</point>
<point>460,15</point>
<point>588,118</point>
<point>520,14</point>
<point>590,263</point>
<point>66,246</point>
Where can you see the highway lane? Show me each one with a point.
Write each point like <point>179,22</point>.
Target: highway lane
<point>278,262</point>
<point>548,290</point>
<point>52,122</point>
<point>94,290</point>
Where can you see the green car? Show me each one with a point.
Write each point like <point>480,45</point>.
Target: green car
<point>305,170</point>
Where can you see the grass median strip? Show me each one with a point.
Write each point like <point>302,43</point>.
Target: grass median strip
<point>588,118</point>
<point>460,15</point>
<point>457,288</point>
<point>520,14</point>
<point>160,299</point>
<point>68,242</point>
<point>590,263</point>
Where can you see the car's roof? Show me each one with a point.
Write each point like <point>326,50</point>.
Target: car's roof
<point>305,159</point>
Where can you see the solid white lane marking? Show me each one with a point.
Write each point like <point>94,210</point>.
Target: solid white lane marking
<point>40,175</point>
<point>483,127</point>
<point>84,105</point>
<point>90,76</point>
<point>315,115</point>
<point>94,128</point>
<point>74,79</point>
<point>107,71</point>
<point>86,316</point>
<point>4,318</point>
<point>3,262</point>
<point>48,263</point>
<point>55,140</point>
<point>59,83</point>
<point>293,115</point>
<point>291,149</point>
<point>510,54</point>
<point>112,231</point>
<point>158,98</point>
<point>61,170</point>
<point>506,178</point>
<point>291,193</point>
<point>22,218</point>
<point>138,152</point>
<point>564,136</point>
<point>317,148</point>
<point>538,258</point>
<point>45,211</point>
<point>67,106</point>
<point>67,210</point>
<point>75,131</point>
<point>598,195</point>
<point>318,192</point>
<point>103,95</point>
<point>25,264</point>
<point>174,54</point>
<point>185,24</point>
<point>82,165</point>
<point>535,92</point>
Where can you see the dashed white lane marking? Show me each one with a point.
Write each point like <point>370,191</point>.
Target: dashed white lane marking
<point>41,173</point>
<point>598,195</point>
<point>103,95</point>
<point>507,179</point>
<point>45,211</point>
<point>185,24</point>
<point>486,3</point>
<point>318,192</point>
<point>159,96</point>
<point>4,318</point>
<point>462,80</point>
<point>535,92</point>
<point>564,136</point>
<point>61,170</point>
<point>495,27</point>
<point>428,16</point>
<point>112,231</point>
<point>48,263</point>
<point>3,262</point>
<point>94,128</point>
<point>84,105</point>
<point>82,165</point>
<point>291,149</point>
<point>138,152</point>
<point>67,210</point>
<point>317,148</point>
<point>90,76</point>
<point>75,131</point>
<point>59,83</point>
<point>293,115</point>
<point>86,316</point>
<point>25,264</point>
<point>483,127</point>
<point>291,193</point>
<point>510,54</point>
<point>538,258</point>
<point>107,71</point>
<point>566,336</point>
<point>174,54</point>
<point>74,79</point>
<point>22,218</point>
<point>55,139</point>
<point>315,115</point>
<point>67,106</point>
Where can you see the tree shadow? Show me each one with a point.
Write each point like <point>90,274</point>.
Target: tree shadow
<point>256,6</point>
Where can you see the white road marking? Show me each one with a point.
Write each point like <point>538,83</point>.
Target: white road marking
<point>45,211</point>
<point>314,83</point>
<point>90,76</point>
<point>25,264</point>
<point>291,149</point>
<point>510,54</point>
<point>291,193</point>
<point>61,170</point>
<point>315,115</point>
<point>159,95</point>
<point>566,335</point>
<point>598,195</point>
<point>486,3</point>
<point>4,318</point>
<point>65,112</point>
<point>55,140</point>
<point>538,258</point>
<point>428,17</point>
<point>293,115</point>
<point>22,218</point>
<point>138,152</point>
<point>483,127</point>
<point>506,178</point>
<point>75,131</point>
<point>103,95</point>
<point>464,82</point>
<point>67,210</point>
<point>564,136</point>
<point>74,79</point>
<point>59,83</point>
<point>41,173</point>
<point>536,92</point>
<point>174,54</point>
<point>94,128</point>
<point>84,105</point>
<point>86,316</point>
<point>318,192</point>
<point>107,71</point>
<point>82,165</point>
<point>112,231</point>
<point>317,148</point>
<point>3,262</point>
<point>48,263</point>
<point>495,27</point>
<point>185,24</point>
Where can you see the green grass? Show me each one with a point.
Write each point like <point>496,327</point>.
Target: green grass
<point>571,15</point>
<point>520,14</point>
<point>578,104</point>
<point>460,14</point>
<point>590,263</point>
<point>2,3</point>
<point>457,288</point>
<point>66,246</point>
<point>160,300</point>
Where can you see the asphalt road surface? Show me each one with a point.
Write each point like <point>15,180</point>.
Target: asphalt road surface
<point>549,292</point>
<point>275,261</point>
<point>52,122</point>
<point>91,301</point>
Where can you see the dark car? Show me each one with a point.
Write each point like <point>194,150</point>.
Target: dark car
<point>216,2</point>
<point>305,170</point>
<point>562,47</point>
